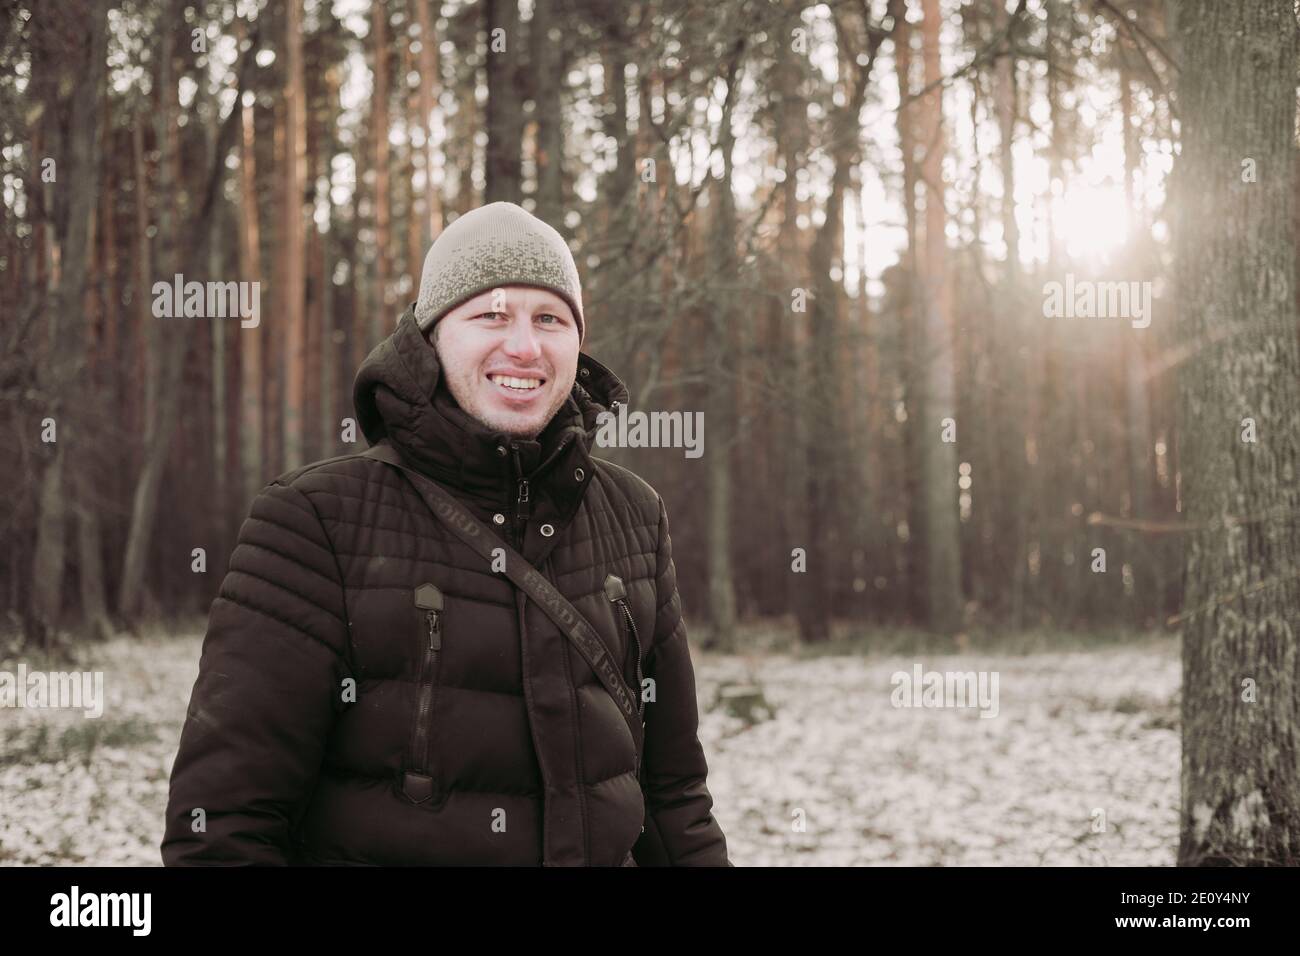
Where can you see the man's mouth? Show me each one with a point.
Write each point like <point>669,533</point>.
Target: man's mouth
<point>516,383</point>
<point>517,390</point>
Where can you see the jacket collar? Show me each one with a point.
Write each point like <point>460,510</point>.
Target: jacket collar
<point>400,394</point>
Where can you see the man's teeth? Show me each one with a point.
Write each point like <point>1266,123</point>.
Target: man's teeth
<point>512,382</point>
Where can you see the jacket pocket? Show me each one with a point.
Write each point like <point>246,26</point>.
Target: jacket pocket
<point>616,592</point>
<point>417,774</point>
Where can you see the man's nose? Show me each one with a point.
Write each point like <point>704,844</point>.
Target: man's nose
<point>521,341</point>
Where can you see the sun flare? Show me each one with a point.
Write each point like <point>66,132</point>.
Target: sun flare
<point>1092,221</point>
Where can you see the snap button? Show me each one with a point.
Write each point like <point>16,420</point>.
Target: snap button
<point>578,474</point>
<point>501,450</point>
<point>498,518</point>
<point>547,531</point>
<point>613,404</point>
<point>584,372</point>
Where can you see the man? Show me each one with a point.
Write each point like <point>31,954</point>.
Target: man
<point>372,691</point>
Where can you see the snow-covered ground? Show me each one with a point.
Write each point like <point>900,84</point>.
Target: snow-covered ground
<point>1079,766</point>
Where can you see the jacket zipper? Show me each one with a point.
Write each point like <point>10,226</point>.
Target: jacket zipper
<point>617,594</point>
<point>523,502</point>
<point>418,782</point>
<point>523,499</point>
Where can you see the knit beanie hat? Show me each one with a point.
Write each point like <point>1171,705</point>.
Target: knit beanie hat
<point>496,245</point>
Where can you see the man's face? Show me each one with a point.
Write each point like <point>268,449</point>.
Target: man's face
<point>510,356</point>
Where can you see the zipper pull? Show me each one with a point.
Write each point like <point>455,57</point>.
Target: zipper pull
<point>524,507</point>
<point>614,589</point>
<point>429,599</point>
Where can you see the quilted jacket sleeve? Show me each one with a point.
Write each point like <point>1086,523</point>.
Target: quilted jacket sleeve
<point>680,827</point>
<point>264,701</point>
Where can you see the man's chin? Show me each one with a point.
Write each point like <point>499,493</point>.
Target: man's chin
<point>516,426</point>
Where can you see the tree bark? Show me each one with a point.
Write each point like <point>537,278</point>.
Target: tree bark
<point>167,340</point>
<point>171,338</point>
<point>293,273</point>
<point>251,341</point>
<point>1012,468</point>
<point>430,84</point>
<point>548,71</point>
<point>66,371</point>
<point>721,384</point>
<point>939,458</point>
<point>503,115</point>
<point>913,369</point>
<point>1235,271</point>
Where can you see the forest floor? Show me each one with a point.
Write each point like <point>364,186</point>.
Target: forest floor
<point>1080,765</point>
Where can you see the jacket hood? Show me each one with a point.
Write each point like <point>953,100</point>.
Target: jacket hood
<point>401,394</point>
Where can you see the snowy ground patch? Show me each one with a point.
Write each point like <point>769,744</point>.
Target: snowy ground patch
<point>1079,767</point>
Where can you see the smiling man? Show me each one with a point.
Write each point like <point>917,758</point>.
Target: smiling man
<point>375,689</point>
<point>510,356</point>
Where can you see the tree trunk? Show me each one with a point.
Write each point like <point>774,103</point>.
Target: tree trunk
<point>293,274</point>
<point>414,258</point>
<point>782,451</point>
<point>504,113</point>
<point>1009,494</point>
<point>171,337</point>
<point>721,386</point>
<point>430,83</point>
<point>167,342</point>
<point>547,74</point>
<point>913,369</point>
<point>939,458</point>
<point>1148,566</point>
<point>65,371</point>
<point>252,339</point>
<point>1235,271</point>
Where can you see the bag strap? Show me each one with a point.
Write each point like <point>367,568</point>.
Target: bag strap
<point>483,542</point>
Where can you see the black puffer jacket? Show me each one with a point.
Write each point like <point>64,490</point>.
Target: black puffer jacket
<point>517,755</point>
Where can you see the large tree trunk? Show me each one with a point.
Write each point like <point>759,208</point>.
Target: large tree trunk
<point>171,338</point>
<point>430,83</point>
<point>293,272</point>
<point>90,496</point>
<point>144,356</point>
<point>326,351</point>
<point>222,331</point>
<point>167,339</point>
<point>620,180</point>
<point>382,321</point>
<point>784,453</point>
<point>858,42</point>
<point>1008,494</point>
<point>251,341</point>
<point>721,386</point>
<point>65,373</point>
<point>380,318</point>
<point>547,73</point>
<point>1235,256</point>
<point>414,256</point>
<point>1147,567</point>
<point>504,113</point>
<point>939,458</point>
<point>913,370</point>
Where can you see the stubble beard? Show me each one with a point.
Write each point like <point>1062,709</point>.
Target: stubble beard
<point>464,389</point>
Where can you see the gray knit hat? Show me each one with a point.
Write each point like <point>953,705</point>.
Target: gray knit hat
<point>496,245</point>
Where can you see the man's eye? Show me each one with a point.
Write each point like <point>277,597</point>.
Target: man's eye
<point>555,317</point>
<point>489,315</point>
